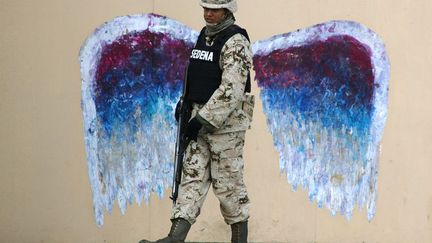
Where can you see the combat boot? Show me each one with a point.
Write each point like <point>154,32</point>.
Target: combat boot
<point>177,234</point>
<point>239,232</point>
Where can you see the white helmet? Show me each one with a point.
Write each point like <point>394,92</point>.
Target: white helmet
<point>231,5</point>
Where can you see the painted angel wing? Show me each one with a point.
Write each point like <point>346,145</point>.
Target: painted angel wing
<point>324,93</point>
<point>132,72</point>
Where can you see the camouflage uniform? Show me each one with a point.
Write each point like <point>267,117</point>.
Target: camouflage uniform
<point>216,157</point>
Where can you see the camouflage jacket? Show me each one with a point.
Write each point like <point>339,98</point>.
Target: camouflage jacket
<point>230,109</point>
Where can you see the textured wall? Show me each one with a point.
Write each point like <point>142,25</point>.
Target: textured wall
<point>45,191</point>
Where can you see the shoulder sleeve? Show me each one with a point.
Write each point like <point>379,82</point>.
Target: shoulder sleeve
<point>236,51</point>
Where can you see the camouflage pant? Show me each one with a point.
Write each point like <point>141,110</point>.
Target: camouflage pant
<point>215,159</point>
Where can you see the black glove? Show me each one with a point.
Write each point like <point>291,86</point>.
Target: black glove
<point>193,128</point>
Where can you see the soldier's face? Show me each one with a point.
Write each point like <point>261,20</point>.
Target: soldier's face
<point>214,16</point>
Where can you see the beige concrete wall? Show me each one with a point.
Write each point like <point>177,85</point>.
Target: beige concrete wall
<point>44,187</point>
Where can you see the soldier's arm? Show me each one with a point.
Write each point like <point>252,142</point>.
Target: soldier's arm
<point>235,62</point>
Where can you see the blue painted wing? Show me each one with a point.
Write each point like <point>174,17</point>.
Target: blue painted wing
<point>132,72</point>
<point>324,93</point>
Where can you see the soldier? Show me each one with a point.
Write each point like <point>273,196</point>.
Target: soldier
<point>218,83</point>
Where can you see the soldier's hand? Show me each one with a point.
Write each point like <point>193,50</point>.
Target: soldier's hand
<point>193,128</point>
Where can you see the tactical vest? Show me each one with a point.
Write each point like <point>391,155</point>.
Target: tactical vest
<point>204,73</point>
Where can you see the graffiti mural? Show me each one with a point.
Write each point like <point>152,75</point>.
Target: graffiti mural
<point>132,75</point>
<point>324,92</point>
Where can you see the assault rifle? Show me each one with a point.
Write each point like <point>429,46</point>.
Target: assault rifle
<point>181,144</point>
